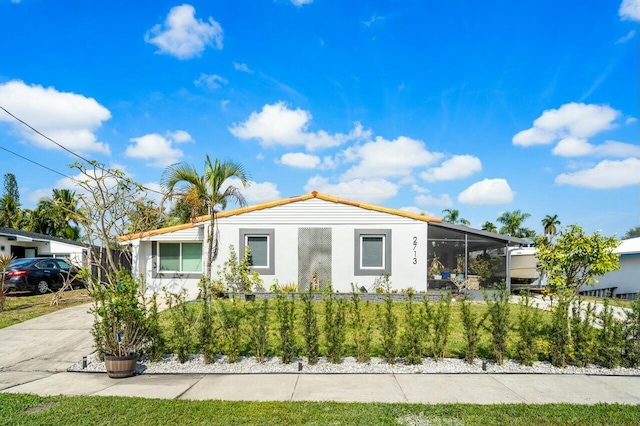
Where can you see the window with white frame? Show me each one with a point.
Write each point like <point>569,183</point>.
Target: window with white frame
<point>372,252</point>
<point>261,244</point>
<point>180,257</point>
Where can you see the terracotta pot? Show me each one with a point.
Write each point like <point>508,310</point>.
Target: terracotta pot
<point>120,366</point>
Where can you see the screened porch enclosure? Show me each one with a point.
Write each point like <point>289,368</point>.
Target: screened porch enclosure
<point>457,255</point>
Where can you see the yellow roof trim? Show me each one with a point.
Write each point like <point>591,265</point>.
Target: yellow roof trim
<point>270,204</point>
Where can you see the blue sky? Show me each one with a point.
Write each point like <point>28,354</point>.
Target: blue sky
<point>483,107</point>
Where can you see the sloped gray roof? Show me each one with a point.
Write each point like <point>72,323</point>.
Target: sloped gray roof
<point>11,232</point>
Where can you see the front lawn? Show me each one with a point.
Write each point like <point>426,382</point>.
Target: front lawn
<point>19,308</point>
<point>18,409</point>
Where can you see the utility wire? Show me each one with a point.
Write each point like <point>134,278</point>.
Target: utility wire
<point>35,162</point>
<point>66,149</point>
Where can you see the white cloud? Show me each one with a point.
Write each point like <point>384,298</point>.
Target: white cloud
<point>301,2</point>
<point>67,118</point>
<point>576,120</point>
<point>415,210</point>
<point>487,191</point>
<point>278,125</point>
<point>184,36</point>
<point>384,158</point>
<point>224,103</point>
<point>300,160</point>
<point>457,167</point>
<point>630,10</point>
<point>429,200</point>
<point>371,191</point>
<point>374,19</point>
<point>210,81</point>
<point>180,136</point>
<point>574,147</point>
<point>255,192</point>
<point>155,148</point>
<point>626,38</point>
<point>630,120</point>
<point>606,174</point>
<point>242,68</point>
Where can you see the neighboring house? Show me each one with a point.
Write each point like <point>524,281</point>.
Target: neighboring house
<point>625,282</point>
<point>21,244</point>
<point>320,238</point>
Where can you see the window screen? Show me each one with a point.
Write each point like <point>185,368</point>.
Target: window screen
<point>170,257</point>
<point>191,257</point>
<point>259,245</point>
<point>372,251</point>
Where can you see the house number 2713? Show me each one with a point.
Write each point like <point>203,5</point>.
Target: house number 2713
<point>415,253</point>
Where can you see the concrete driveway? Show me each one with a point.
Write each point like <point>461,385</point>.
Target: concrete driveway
<point>50,343</point>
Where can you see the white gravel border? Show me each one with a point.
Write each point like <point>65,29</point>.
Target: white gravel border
<point>272,365</point>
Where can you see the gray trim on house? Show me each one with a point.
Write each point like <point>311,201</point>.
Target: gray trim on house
<point>359,271</point>
<point>270,234</point>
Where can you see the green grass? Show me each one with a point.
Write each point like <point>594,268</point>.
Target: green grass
<point>19,409</point>
<point>19,308</point>
<point>455,348</point>
<point>612,301</point>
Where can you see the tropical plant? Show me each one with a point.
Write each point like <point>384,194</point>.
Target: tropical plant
<point>550,225</point>
<point>206,192</point>
<point>10,212</point>
<point>5,260</point>
<point>472,323</point>
<point>489,227</point>
<point>632,233</point>
<point>453,216</point>
<point>412,337</point>
<point>498,309</point>
<point>529,328</point>
<point>575,259</point>
<point>512,224</point>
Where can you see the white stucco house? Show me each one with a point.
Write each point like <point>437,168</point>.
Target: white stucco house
<point>22,244</point>
<point>337,240</point>
<point>625,282</point>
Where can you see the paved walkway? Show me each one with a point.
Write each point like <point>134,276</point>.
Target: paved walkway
<point>34,357</point>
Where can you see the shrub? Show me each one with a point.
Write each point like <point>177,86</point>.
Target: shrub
<point>231,315</point>
<point>631,355</point>
<point>258,312</point>
<point>498,308</point>
<point>156,345</point>
<point>334,326</point>
<point>472,323</point>
<point>440,320</point>
<point>529,328</point>
<point>310,328</point>
<point>411,340</point>
<point>362,331</point>
<point>285,313</point>
<point>388,326</point>
<point>583,334</point>
<point>559,337</point>
<point>610,338</point>
<point>183,323</point>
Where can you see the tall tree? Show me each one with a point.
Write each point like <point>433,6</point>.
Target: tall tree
<point>632,233</point>
<point>453,216</point>
<point>182,181</point>
<point>10,212</point>
<point>489,227</point>
<point>512,224</point>
<point>550,224</point>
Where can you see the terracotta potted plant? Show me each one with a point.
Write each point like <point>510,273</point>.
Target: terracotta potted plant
<point>120,327</point>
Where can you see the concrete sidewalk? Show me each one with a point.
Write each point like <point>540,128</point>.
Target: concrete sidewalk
<point>34,356</point>
<point>407,388</point>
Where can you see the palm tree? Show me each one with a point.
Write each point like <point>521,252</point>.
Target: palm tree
<point>205,192</point>
<point>512,224</point>
<point>453,216</point>
<point>549,223</point>
<point>10,212</point>
<point>489,227</point>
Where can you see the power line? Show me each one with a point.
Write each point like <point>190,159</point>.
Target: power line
<point>35,162</point>
<point>95,164</point>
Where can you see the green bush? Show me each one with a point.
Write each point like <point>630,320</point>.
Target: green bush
<point>498,308</point>
<point>285,312</point>
<point>362,330</point>
<point>529,329</point>
<point>440,320</point>
<point>183,317</point>
<point>583,334</point>
<point>411,339</point>
<point>472,324</point>
<point>334,326</point>
<point>258,313</point>
<point>310,328</point>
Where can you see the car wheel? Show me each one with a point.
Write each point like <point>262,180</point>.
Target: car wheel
<point>42,287</point>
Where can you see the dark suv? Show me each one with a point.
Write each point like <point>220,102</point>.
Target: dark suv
<point>38,274</point>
